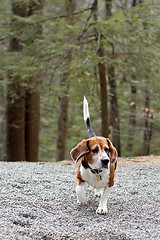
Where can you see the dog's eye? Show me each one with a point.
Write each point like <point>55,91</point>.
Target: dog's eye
<point>95,150</point>
<point>106,150</point>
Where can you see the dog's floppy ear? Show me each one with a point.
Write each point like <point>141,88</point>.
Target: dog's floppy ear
<point>79,150</point>
<point>113,151</point>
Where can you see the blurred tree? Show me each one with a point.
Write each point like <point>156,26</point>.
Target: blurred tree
<point>103,94</point>
<point>71,57</point>
<point>64,92</point>
<point>148,124</point>
<point>113,99</point>
<point>23,99</point>
<point>132,115</point>
<point>102,74</point>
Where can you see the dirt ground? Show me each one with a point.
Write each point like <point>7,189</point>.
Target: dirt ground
<point>38,202</point>
<point>147,160</point>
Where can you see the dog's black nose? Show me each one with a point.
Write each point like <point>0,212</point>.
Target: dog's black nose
<point>105,161</point>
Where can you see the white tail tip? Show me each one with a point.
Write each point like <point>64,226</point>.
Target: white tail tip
<point>85,109</point>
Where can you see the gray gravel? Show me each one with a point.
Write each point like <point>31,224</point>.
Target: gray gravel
<point>38,201</point>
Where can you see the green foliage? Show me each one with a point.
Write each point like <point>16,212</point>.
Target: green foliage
<point>131,41</point>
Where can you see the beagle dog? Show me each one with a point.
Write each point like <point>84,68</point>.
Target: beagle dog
<point>97,163</point>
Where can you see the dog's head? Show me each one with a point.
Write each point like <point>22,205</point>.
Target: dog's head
<point>99,152</point>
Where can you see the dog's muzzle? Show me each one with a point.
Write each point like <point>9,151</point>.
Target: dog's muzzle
<point>105,162</point>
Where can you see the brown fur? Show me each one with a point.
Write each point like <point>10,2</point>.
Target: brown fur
<point>79,179</point>
<point>85,147</point>
<point>79,150</point>
<point>112,174</point>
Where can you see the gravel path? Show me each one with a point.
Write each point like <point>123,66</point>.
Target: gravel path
<point>38,201</point>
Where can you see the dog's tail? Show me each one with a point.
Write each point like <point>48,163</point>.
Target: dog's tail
<point>87,119</point>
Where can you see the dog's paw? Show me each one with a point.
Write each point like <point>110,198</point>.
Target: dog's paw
<point>101,210</point>
<point>83,200</point>
<point>98,192</point>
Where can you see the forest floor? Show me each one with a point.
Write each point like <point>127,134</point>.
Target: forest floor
<point>38,202</point>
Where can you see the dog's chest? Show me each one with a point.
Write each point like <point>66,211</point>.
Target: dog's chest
<point>95,180</point>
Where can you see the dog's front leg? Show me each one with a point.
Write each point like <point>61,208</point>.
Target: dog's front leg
<point>81,194</point>
<point>102,208</point>
<point>99,192</point>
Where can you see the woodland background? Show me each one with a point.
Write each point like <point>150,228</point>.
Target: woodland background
<point>54,52</point>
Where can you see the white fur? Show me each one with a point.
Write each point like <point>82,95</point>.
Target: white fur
<point>101,188</point>
<point>101,185</point>
<point>99,192</point>
<point>97,163</point>
<point>81,194</point>
<point>91,178</point>
<point>102,208</point>
<point>85,109</point>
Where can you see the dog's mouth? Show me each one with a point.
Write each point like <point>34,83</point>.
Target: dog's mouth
<point>96,170</point>
<point>105,167</point>
<point>99,170</point>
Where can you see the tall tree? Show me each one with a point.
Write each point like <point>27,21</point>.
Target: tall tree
<point>64,92</point>
<point>148,124</point>
<point>32,124</point>
<point>22,114</point>
<point>102,76</point>
<point>103,94</point>
<point>132,116</point>
<point>114,109</point>
<point>2,125</point>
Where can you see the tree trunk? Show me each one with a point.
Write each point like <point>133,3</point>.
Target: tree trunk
<point>62,128</point>
<point>15,113</point>
<point>32,125</point>
<point>132,117</point>
<point>102,75</point>
<point>62,118</point>
<point>103,94</point>
<point>114,110</point>
<point>147,125</point>
<point>15,124</point>
<point>2,124</point>
<point>32,114</point>
<point>64,96</point>
<point>22,104</point>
